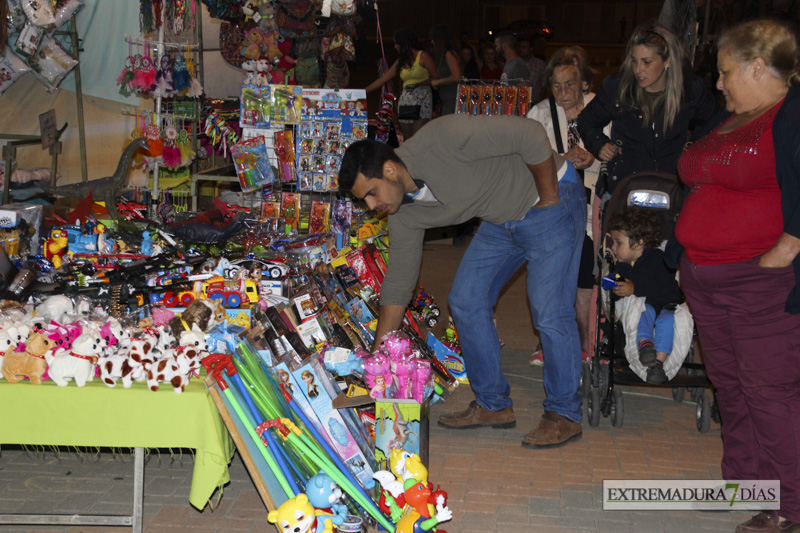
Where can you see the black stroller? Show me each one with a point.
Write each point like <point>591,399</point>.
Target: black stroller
<point>614,360</point>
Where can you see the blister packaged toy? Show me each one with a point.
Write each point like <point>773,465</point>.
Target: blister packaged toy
<point>252,164</point>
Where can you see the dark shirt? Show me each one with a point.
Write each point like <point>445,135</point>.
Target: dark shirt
<point>652,279</point>
<point>786,137</point>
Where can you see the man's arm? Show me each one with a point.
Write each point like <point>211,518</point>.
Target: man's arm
<point>546,178</point>
<point>390,319</point>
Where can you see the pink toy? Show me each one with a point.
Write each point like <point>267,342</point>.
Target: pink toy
<point>419,379</point>
<point>402,367</point>
<point>396,343</point>
<point>377,365</point>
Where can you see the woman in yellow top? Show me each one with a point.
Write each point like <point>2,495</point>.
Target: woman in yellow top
<point>416,69</point>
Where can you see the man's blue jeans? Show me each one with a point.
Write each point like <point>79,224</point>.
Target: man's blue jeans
<point>658,329</point>
<point>550,240</point>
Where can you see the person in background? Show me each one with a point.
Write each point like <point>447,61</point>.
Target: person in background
<point>536,66</point>
<point>740,228</point>
<point>446,57</point>
<point>491,67</point>
<point>469,62</point>
<point>651,103</point>
<point>416,69</point>
<point>515,68</point>
<point>569,77</point>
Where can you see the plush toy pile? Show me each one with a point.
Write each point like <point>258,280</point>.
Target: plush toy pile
<point>67,341</point>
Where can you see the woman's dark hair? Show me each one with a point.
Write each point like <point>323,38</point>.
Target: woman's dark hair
<point>407,41</point>
<point>443,40</point>
<point>364,157</point>
<point>639,225</point>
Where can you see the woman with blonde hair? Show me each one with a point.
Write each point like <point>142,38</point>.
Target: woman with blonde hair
<point>740,228</point>
<point>651,103</point>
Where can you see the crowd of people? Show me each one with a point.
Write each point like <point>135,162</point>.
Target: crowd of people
<point>736,241</point>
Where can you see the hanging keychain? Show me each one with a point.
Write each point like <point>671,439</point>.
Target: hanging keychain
<point>126,76</point>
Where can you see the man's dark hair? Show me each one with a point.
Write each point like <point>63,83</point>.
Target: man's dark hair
<point>506,38</point>
<point>364,157</point>
<point>639,225</point>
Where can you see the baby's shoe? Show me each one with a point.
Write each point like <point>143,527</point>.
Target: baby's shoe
<point>647,353</point>
<point>656,374</point>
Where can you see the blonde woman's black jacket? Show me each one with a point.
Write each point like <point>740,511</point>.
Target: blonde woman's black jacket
<point>645,147</point>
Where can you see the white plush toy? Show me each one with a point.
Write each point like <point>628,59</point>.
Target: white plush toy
<point>250,68</point>
<point>76,363</point>
<point>6,345</point>
<point>55,308</point>
<point>183,362</point>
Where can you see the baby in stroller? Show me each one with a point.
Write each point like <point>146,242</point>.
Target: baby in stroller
<point>635,239</point>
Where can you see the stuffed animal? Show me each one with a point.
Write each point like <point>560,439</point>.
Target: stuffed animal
<point>205,313</point>
<point>54,308</point>
<point>77,362</point>
<point>251,46</point>
<point>6,345</point>
<point>249,67</point>
<point>297,515</point>
<point>262,74</point>
<point>128,365</point>
<point>325,496</point>
<point>283,71</point>
<point>30,363</point>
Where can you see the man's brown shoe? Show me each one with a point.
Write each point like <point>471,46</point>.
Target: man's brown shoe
<point>476,416</point>
<point>763,522</point>
<point>553,431</point>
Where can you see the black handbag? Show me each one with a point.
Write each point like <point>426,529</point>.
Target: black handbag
<point>408,112</point>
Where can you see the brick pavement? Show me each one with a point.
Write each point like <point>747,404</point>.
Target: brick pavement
<point>494,484</point>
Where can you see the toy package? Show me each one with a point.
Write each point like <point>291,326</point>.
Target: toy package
<point>342,215</point>
<point>349,444</point>
<point>252,164</point>
<point>255,109</point>
<point>477,98</point>
<point>290,209</point>
<point>286,101</point>
<point>284,151</point>
<point>320,217</point>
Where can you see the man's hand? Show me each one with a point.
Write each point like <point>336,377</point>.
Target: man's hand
<point>546,178</point>
<point>390,318</point>
<point>624,288</point>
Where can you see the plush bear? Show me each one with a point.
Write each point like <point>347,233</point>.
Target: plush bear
<point>76,363</point>
<point>251,46</point>
<point>298,516</point>
<point>30,363</point>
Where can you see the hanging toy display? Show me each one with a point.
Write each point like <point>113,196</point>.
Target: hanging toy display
<point>171,155</point>
<point>163,78</point>
<point>219,132</point>
<point>126,77</point>
<point>178,15</point>
<point>195,87</point>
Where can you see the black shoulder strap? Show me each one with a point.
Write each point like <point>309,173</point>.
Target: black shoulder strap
<point>556,125</point>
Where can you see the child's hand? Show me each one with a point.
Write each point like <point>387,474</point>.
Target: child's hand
<point>624,288</point>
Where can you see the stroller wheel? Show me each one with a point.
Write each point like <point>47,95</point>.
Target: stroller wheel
<point>586,380</point>
<point>678,393</point>
<point>593,407</point>
<point>703,412</point>
<point>695,392</point>
<point>617,408</point>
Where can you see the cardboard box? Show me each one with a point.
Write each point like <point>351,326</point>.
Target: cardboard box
<point>403,424</point>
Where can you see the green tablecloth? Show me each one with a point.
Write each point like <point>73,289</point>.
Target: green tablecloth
<point>96,415</point>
